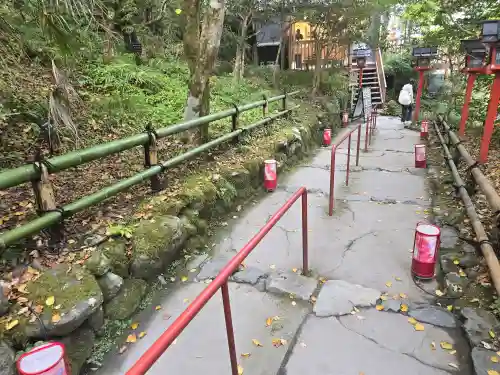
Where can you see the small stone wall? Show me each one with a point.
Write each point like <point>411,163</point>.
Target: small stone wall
<point>73,300</point>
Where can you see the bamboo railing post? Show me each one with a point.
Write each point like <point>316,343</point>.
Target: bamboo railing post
<point>265,106</point>
<point>284,104</point>
<point>45,198</point>
<point>151,158</point>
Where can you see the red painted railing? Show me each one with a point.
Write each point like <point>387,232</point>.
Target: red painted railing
<point>221,282</point>
<point>348,135</point>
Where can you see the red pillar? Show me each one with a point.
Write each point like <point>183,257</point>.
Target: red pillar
<point>465,108</point>
<point>419,95</point>
<point>491,115</point>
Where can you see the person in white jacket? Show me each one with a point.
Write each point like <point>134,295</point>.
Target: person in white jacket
<point>406,101</point>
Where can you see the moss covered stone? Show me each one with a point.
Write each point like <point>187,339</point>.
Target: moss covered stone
<point>79,348</point>
<point>240,178</point>
<point>199,192</point>
<point>116,251</point>
<point>127,301</point>
<point>155,244</point>
<point>195,244</point>
<point>77,296</point>
<point>255,167</point>
<point>189,227</point>
<point>98,263</point>
<point>226,194</point>
<point>170,206</point>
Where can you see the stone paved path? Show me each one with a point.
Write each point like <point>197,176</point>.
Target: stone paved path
<point>363,252</point>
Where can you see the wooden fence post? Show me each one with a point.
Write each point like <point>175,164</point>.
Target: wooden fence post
<point>265,106</point>
<point>151,158</point>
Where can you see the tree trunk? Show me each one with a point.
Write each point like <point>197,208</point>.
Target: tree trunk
<point>276,66</point>
<point>201,50</point>
<point>317,68</point>
<point>239,64</point>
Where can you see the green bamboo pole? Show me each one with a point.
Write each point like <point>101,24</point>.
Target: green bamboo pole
<point>51,218</point>
<point>26,173</point>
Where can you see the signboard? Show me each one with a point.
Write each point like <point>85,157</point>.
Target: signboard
<point>363,104</point>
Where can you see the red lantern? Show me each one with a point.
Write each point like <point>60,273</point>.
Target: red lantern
<point>345,119</point>
<point>420,156</point>
<point>270,175</point>
<point>327,137</point>
<point>424,129</point>
<point>425,250</point>
<point>48,359</point>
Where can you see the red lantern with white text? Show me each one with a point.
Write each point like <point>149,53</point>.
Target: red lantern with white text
<point>420,156</point>
<point>424,129</point>
<point>48,359</point>
<point>327,137</point>
<point>425,250</point>
<point>345,119</point>
<point>270,175</point>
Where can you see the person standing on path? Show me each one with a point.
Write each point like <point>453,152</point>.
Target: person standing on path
<point>406,101</point>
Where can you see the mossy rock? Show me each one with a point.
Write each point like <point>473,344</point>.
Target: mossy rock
<point>98,263</point>
<point>189,227</point>
<point>155,244</point>
<point>199,192</point>
<point>256,169</point>
<point>79,348</point>
<point>194,244</point>
<point>170,206</point>
<point>239,178</point>
<point>226,194</point>
<point>116,252</point>
<point>76,294</point>
<point>127,301</point>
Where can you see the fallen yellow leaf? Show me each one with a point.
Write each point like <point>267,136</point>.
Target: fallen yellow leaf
<point>279,342</point>
<point>158,307</point>
<point>245,355</point>
<point>419,327</point>
<point>404,308</point>
<point>184,279</point>
<point>446,345</point>
<point>412,321</point>
<point>383,298</point>
<point>322,280</point>
<point>455,366</point>
<point>240,370</point>
<point>272,266</point>
<point>257,343</point>
<point>56,318</point>
<point>439,293</point>
<point>11,324</point>
<point>269,321</point>
<point>131,338</point>
<point>178,11</point>
<point>452,352</point>
<point>142,334</point>
<point>185,300</point>
<point>134,325</point>
<point>492,334</point>
<point>493,372</point>
<point>462,273</point>
<point>433,345</point>
<point>388,284</point>
<point>379,307</point>
<point>449,307</point>
<point>397,278</point>
<point>294,269</point>
<point>50,301</point>
<point>494,359</point>
<point>402,295</point>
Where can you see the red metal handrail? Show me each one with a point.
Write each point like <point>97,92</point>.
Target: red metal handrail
<point>221,281</point>
<point>332,163</point>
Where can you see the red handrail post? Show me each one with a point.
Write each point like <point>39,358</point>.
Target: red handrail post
<point>305,244</point>
<point>332,181</point>
<point>370,123</point>
<point>348,160</point>
<point>357,145</point>
<point>229,328</point>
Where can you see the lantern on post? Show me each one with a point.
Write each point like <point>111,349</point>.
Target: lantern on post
<point>424,129</point>
<point>490,36</point>
<point>48,359</point>
<point>420,156</point>
<point>474,65</point>
<point>361,55</point>
<point>270,175</point>
<point>327,137</point>
<point>423,55</point>
<point>425,250</point>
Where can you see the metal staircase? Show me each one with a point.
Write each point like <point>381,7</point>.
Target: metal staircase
<point>373,77</point>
